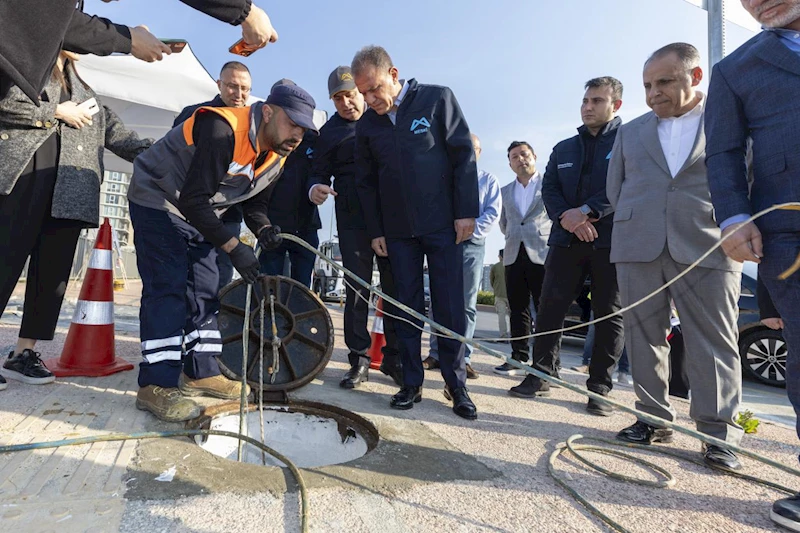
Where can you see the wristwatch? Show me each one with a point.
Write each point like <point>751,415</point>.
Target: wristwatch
<point>586,210</point>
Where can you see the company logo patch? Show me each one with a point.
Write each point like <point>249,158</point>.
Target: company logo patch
<point>565,165</point>
<point>310,152</point>
<point>346,77</point>
<point>608,156</point>
<point>420,125</point>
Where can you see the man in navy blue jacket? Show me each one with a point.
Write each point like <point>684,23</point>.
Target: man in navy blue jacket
<point>752,97</point>
<point>418,183</point>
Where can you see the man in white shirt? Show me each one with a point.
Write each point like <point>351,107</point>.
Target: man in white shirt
<point>663,222</point>
<point>526,226</point>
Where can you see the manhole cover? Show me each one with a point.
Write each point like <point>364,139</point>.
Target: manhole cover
<point>309,434</point>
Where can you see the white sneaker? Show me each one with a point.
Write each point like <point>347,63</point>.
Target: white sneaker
<point>624,378</point>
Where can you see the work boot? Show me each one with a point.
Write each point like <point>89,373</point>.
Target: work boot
<point>167,404</point>
<point>355,376</point>
<point>215,386</point>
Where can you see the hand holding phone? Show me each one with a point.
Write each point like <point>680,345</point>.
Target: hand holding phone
<point>176,46</point>
<point>241,48</point>
<point>90,106</point>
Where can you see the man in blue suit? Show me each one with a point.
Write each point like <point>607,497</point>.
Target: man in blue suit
<point>417,181</point>
<point>753,98</point>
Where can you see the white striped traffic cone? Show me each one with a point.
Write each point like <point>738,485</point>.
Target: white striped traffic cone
<point>89,348</point>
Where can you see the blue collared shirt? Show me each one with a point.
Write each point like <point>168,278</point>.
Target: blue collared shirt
<point>490,204</point>
<point>397,101</point>
<point>791,39</point>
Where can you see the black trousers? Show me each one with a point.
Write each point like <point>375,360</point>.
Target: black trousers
<point>28,230</point>
<point>523,282</point>
<point>357,256</point>
<point>565,269</point>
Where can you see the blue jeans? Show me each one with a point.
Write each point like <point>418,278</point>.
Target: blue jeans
<point>301,259</point>
<point>780,251</point>
<point>473,274</point>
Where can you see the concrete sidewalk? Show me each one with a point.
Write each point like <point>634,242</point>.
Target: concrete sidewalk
<point>432,471</point>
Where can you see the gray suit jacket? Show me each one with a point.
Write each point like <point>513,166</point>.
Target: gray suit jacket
<point>653,209</point>
<point>531,229</point>
<point>24,127</point>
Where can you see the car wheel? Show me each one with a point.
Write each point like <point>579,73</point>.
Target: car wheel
<point>763,355</point>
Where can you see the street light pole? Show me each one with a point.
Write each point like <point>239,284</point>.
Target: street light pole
<point>716,30</point>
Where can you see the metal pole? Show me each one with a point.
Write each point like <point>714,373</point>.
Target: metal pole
<point>716,30</point>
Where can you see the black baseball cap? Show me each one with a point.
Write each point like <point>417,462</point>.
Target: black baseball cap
<point>296,102</point>
<point>282,81</point>
<point>341,79</point>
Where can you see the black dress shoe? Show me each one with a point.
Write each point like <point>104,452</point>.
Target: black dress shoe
<point>720,458</point>
<point>786,513</point>
<point>394,371</point>
<point>406,398</point>
<point>429,363</point>
<point>355,376</point>
<point>644,433</point>
<point>462,405</point>
<point>530,387</point>
<point>598,408</point>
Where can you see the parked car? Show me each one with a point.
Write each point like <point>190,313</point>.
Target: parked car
<point>763,351</point>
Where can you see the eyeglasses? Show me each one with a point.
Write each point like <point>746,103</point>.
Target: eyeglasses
<point>234,87</point>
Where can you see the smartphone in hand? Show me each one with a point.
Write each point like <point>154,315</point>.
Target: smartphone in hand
<point>241,48</point>
<point>176,45</point>
<point>90,106</point>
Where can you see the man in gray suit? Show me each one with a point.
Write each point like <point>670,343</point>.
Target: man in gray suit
<point>663,222</point>
<point>524,222</point>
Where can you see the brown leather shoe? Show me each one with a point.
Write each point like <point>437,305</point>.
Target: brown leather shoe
<point>167,404</point>
<point>471,373</point>
<point>216,386</point>
<point>429,363</point>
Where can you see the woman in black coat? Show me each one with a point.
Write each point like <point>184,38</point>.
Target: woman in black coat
<point>51,168</point>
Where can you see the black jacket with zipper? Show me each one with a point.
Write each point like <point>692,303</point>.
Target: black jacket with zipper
<point>566,185</point>
<point>417,176</point>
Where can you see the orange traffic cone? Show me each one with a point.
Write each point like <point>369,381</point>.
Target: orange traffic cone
<point>89,349</point>
<point>378,338</point>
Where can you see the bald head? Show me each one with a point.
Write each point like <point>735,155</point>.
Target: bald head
<point>476,145</point>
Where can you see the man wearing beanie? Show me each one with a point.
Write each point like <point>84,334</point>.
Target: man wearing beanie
<point>180,188</point>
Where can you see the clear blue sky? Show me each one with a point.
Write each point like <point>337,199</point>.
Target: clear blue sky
<point>517,67</point>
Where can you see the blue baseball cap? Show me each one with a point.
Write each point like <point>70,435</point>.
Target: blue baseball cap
<point>296,102</point>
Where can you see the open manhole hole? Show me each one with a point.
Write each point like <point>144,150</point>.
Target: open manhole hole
<point>310,434</point>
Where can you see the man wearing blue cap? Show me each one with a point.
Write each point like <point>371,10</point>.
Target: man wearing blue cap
<point>180,188</point>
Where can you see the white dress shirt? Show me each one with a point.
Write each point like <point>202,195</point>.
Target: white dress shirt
<point>678,134</point>
<point>393,111</point>
<point>524,194</point>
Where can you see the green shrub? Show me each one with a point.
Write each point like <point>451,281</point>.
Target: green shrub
<point>486,297</point>
<point>748,421</point>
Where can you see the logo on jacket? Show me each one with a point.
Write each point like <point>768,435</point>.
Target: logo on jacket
<point>309,152</point>
<point>608,156</point>
<point>420,125</point>
<point>564,165</point>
